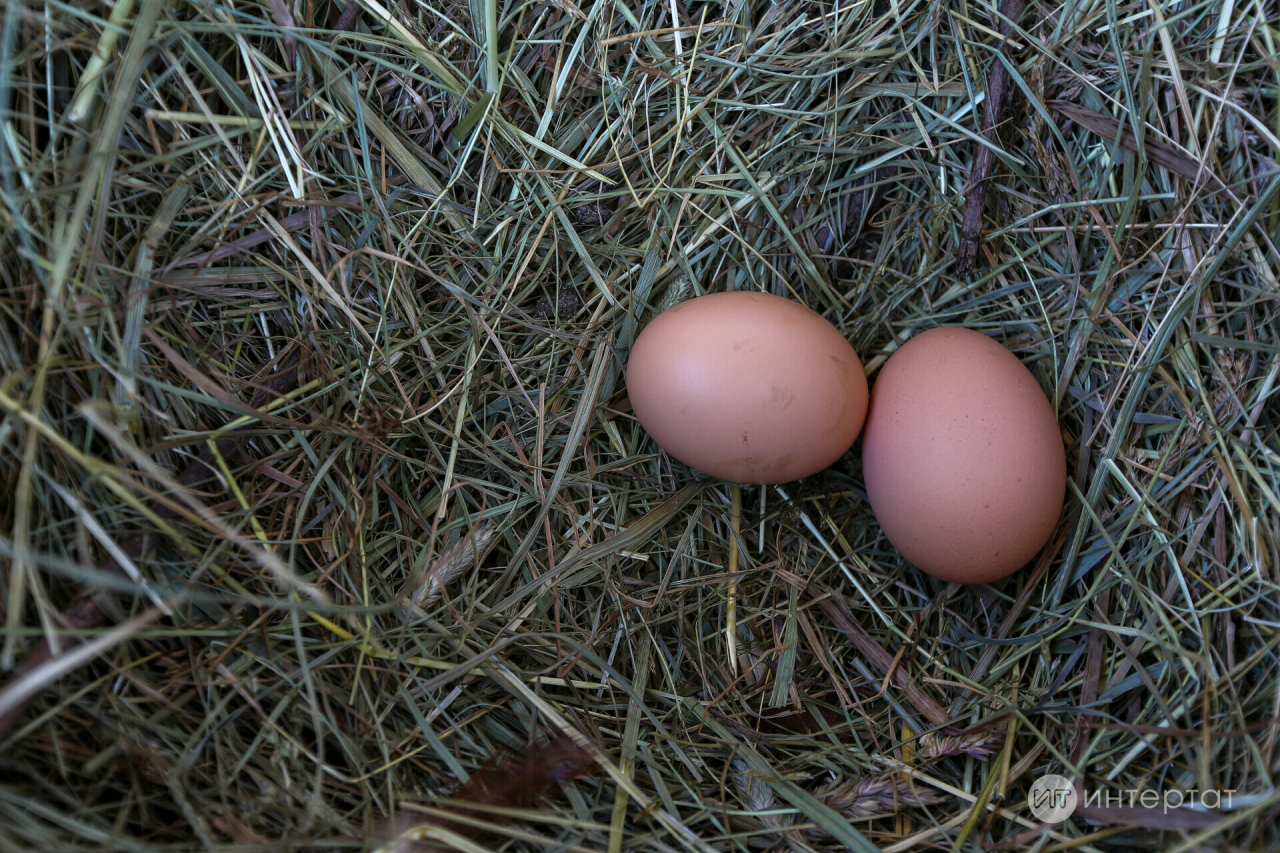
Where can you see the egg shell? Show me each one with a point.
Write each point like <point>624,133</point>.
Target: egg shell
<point>964,463</point>
<point>746,386</point>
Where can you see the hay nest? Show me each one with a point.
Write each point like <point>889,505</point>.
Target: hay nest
<point>324,510</point>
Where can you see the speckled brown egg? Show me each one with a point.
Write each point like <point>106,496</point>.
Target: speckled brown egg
<point>747,386</point>
<point>964,462</point>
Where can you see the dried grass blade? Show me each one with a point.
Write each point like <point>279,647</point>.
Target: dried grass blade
<point>813,808</point>
<point>14,695</point>
<point>832,604</point>
<point>1158,151</point>
<point>571,572</point>
<point>136,303</point>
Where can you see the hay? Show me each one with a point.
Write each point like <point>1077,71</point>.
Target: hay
<point>320,486</point>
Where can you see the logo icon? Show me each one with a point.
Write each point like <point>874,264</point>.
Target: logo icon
<point>1052,798</point>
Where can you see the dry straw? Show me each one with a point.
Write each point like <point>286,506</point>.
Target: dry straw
<point>319,486</point>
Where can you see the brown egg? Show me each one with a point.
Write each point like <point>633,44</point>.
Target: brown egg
<point>964,463</point>
<point>748,387</point>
